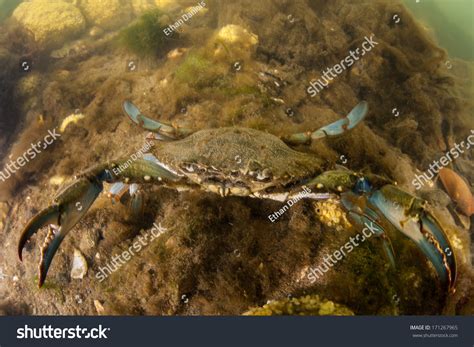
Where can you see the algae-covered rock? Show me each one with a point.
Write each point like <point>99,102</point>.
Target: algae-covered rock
<point>107,14</point>
<point>52,22</point>
<point>145,36</point>
<point>196,70</point>
<point>28,85</point>
<point>236,39</point>
<point>141,6</point>
<point>309,305</point>
<point>166,4</point>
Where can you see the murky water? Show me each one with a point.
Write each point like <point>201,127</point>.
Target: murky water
<point>450,22</point>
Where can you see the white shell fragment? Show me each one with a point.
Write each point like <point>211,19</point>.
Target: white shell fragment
<point>79,265</point>
<point>99,307</point>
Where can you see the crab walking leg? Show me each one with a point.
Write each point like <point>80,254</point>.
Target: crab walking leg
<point>137,200</point>
<point>118,193</point>
<point>160,130</point>
<point>338,127</point>
<point>73,202</point>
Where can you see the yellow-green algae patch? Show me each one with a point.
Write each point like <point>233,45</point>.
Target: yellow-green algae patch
<point>309,305</point>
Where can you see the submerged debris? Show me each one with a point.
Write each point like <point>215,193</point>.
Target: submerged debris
<point>71,119</point>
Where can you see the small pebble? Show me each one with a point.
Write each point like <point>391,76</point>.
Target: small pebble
<point>79,265</point>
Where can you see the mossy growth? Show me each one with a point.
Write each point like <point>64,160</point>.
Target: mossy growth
<point>241,90</point>
<point>197,71</point>
<point>309,305</point>
<point>145,37</point>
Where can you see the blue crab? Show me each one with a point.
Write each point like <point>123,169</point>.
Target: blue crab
<point>246,162</point>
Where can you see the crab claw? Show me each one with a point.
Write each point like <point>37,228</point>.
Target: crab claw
<point>137,117</point>
<point>67,209</point>
<point>160,130</point>
<point>355,117</point>
<point>409,215</point>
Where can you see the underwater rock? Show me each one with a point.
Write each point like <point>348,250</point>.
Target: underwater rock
<point>96,32</point>
<point>57,180</point>
<point>69,49</point>
<point>52,22</point>
<point>89,240</point>
<point>107,14</point>
<point>309,305</point>
<point>79,265</point>
<point>28,85</point>
<point>236,38</point>
<point>166,5</point>
<point>176,53</point>
<point>141,6</point>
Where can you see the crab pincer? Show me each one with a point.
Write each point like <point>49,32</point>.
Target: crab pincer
<point>72,203</point>
<point>67,209</point>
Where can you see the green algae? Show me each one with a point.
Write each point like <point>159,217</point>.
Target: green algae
<point>145,37</point>
<point>309,305</point>
<point>197,71</point>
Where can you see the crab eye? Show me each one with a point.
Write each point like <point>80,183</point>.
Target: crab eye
<point>107,176</point>
<point>362,186</point>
